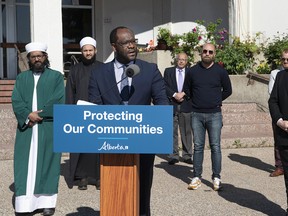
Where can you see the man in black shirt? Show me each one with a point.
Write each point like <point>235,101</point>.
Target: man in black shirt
<point>208,84</point>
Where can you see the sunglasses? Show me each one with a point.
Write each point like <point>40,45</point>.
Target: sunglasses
<point>208,51</point>
<point>284,59</point>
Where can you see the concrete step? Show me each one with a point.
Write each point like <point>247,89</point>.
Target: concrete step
<point>239,107</point>
<point>6,88</point>
<point>7,82</point>
<point>245,138</point>
<point>246,125</point>
<point>247,142</point>
<point>255,128</point>
<point>246,118</point>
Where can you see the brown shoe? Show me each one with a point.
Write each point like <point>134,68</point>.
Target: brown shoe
<point>277,172</point>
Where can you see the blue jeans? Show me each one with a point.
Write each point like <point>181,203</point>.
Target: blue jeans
<point>212,122</point>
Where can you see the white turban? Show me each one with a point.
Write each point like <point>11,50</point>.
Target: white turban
<point>87,40</point>
<point>36,46</point>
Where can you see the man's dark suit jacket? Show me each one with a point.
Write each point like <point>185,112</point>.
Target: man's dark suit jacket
<point>278,105</point>
<point>171,88</point>
<point>147,85</point>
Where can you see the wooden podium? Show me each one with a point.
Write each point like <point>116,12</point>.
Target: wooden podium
<point>119,177</point>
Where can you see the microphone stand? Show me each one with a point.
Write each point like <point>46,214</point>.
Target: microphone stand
<point>126,77</point>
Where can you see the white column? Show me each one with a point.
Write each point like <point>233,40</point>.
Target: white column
<point>245,19</point>
<point>240,14</point>
<point>46,27</point>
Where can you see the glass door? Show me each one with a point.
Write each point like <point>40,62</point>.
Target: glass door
<point>77,18</point>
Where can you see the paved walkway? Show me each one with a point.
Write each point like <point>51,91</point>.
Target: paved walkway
<point>247,188</point>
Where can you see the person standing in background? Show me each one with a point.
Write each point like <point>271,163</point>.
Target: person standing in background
<point>278,107</point>
<point>174,79</point>
<point>36,166</point>
<point>84,167</point>
<point>208,84</point>
<point>278,164</point>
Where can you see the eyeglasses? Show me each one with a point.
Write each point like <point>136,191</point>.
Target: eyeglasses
<point>37,57</point>
<point>127,43</point>
<point>208,51</point>
<point>284,59</point>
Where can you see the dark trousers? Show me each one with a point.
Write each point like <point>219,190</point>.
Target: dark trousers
<point>283,150</point>
<point>146,179</point>
<point>278,163</point>
<point>88,166</point>
<point>183,121</point>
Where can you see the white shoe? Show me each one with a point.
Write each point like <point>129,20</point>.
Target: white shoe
<point>195,184</point>
<point>216,184</point>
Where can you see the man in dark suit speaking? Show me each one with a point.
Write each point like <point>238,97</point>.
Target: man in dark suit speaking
<point>107,86</point>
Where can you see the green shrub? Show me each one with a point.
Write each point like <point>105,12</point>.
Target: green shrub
<point>238,56</point>
<point>263,68</point>
<point>272,51</point>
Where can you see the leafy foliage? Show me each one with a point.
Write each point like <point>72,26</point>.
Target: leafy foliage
<point>239,56</point>
<point>274,49</point>
<point>191,41</point>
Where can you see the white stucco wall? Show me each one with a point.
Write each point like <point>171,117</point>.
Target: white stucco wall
<point>136,15</point>
<point>253,16</point>
<point>46,27</point>
<point>268,16</point>
<point>145,17</point>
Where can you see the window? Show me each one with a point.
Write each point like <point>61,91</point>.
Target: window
<point>77,22</point>
<point>14,29</point>
<point>23,24</point>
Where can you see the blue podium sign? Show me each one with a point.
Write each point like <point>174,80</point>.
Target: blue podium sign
<point>113,129</point>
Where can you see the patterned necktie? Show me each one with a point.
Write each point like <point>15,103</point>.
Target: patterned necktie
<point>180,80</point>
<point>124,87</point>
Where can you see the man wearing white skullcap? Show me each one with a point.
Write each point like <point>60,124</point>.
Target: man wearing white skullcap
<point>84,168</point>
<point>36,166</point>
<point>36,46</point>
<point>88,41</point>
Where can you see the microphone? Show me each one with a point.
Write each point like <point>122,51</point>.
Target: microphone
<point>132,70</point>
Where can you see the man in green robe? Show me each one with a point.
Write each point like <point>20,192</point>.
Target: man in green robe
<point>36,166</point>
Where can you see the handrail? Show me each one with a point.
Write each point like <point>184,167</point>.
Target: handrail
<point>258,77</point>
<point>12,45</point>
